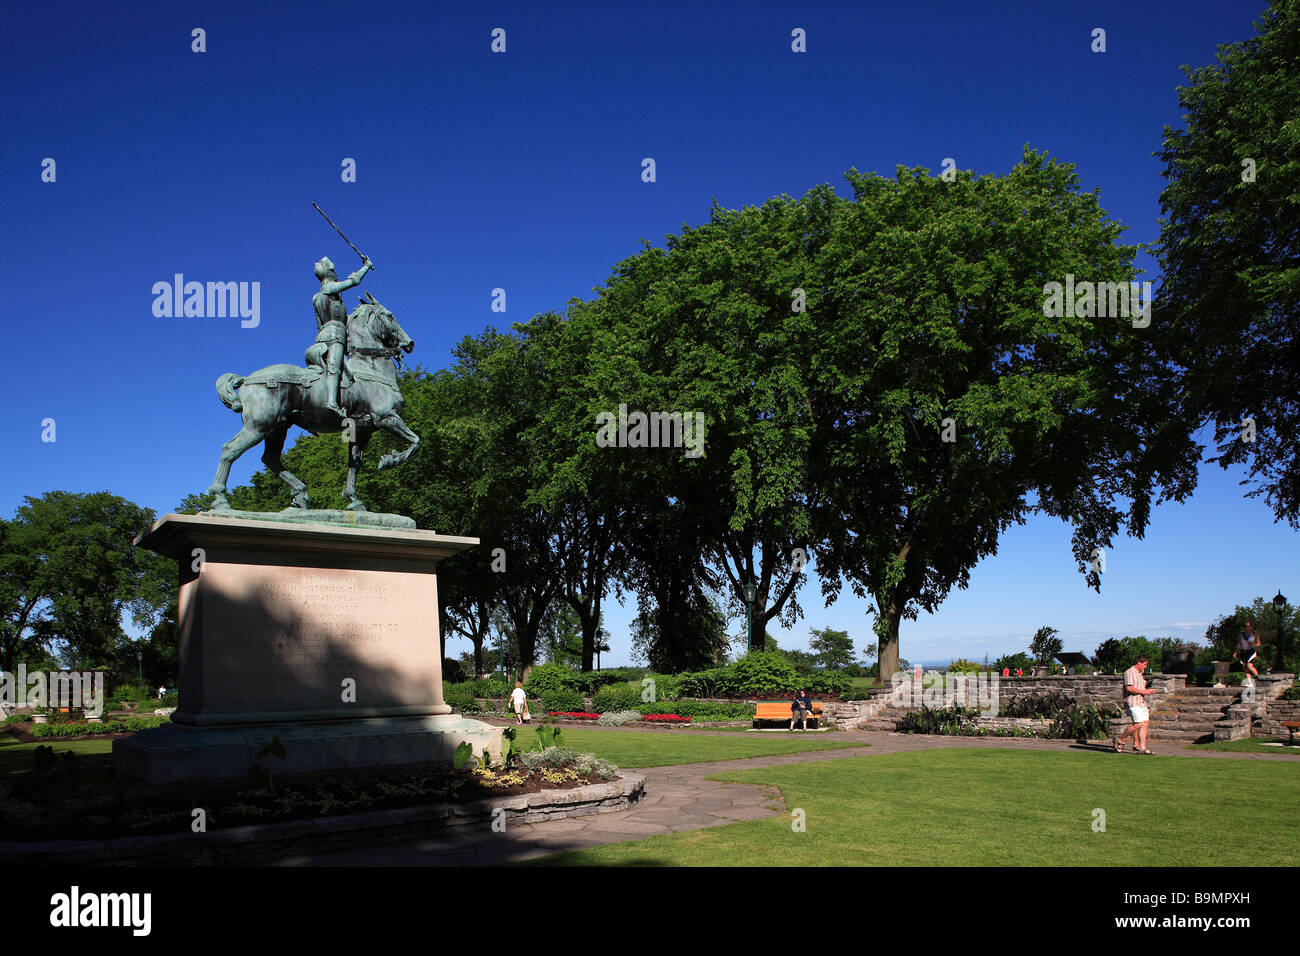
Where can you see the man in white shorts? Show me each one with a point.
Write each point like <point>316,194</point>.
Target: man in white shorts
<point>1136,694</point>
<point>519,702</point>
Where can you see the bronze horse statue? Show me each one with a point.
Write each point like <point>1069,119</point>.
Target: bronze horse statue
<point>272,399</point>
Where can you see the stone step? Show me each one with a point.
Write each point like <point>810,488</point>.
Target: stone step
<point>1205,691</point>
<point>1196,703</point>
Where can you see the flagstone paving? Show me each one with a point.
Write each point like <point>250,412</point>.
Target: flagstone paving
<point>680,798</point>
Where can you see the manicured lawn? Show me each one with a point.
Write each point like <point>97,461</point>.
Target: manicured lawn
<point>999,808</point>
<point>1253,746</point>
<point>714,728</point>
<point>651,749</point>
<point>16,757</point>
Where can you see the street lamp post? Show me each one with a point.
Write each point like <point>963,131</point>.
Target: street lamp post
<point>749,616</point>
<point>139,660</point>
<point>1279,605</point>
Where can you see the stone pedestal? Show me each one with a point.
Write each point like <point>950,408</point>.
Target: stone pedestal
<point>324,636</point>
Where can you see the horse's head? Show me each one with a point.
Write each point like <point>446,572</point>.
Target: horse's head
<point>372,326</point>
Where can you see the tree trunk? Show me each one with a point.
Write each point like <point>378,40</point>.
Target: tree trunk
<point>888,642</point>
<point>589,620</point>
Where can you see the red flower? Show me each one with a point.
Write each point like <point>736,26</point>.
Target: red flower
<point>572,715</point>
<point>666,719</point>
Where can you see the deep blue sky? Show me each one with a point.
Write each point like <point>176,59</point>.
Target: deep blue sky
<point>522,170</point>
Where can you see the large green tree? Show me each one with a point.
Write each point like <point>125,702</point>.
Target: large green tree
<point>69,576</point>
<point>1230,254</point>
<point>950,406</point>
<point>714,326</point>
<point>833,648</point>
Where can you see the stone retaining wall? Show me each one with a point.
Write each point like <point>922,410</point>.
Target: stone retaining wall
<point>882,713</point>
<point>273,842</point>
<point>1035,725</point>
<point>1270,719</point>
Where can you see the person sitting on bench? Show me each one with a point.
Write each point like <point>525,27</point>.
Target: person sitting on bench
<point>800,707</point>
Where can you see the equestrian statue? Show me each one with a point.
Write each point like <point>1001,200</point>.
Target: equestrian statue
<point>349,386</point>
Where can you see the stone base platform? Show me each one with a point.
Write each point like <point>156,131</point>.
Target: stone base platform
<point>319,516</point>
<point>179,752</point>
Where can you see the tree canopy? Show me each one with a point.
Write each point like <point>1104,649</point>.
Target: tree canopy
<point>870,387</point>
<point>69,576</point>
<point>1230,254</point>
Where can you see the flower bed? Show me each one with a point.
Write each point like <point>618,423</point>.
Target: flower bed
<point>665,719</point>
<point>64,797</point>
<point>572,715</point>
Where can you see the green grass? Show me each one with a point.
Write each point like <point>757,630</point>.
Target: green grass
<point>1252,746</point>
<point>16,757</point>
<point>998,808</point>
<point>648,749</point>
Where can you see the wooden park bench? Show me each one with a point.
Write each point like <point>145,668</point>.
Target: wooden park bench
<point>766,710</point>
<point>1292,726</point>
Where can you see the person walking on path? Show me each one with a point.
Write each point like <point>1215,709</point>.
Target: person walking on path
<point>1247,650</point>
<point>800,708</point>
<point>1135,689</point>
<point>519,702</point>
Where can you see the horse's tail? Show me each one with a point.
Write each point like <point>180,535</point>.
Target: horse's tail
<point>226,389</point>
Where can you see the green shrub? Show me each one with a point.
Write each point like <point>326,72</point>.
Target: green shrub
<point>137,695</point>
<point>562,699</point>
<point>1013,662</point>
<point>949,721</point>
<point>592,681</point>
<point>615,697</point>
<point>700,710</point>
<point>763,672</point>
<point>963,666</point>
<point>477,688</point>
<point>551,677</point>
<point>462,700</point>
<point>714,682</point>
<point>489,687</point>
<point>452,672</point>
<point>666,686</point>
<point>1044,706</point>
<point>130,725</point>
<point>1083,723</point>
<point>827,682</point>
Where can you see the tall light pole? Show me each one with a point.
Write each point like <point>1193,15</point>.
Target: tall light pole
<point>139,660</point>
<point>749,616</point>
<point>1279,605</point>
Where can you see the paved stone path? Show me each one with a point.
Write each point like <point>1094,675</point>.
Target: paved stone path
<point>679,798</point>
